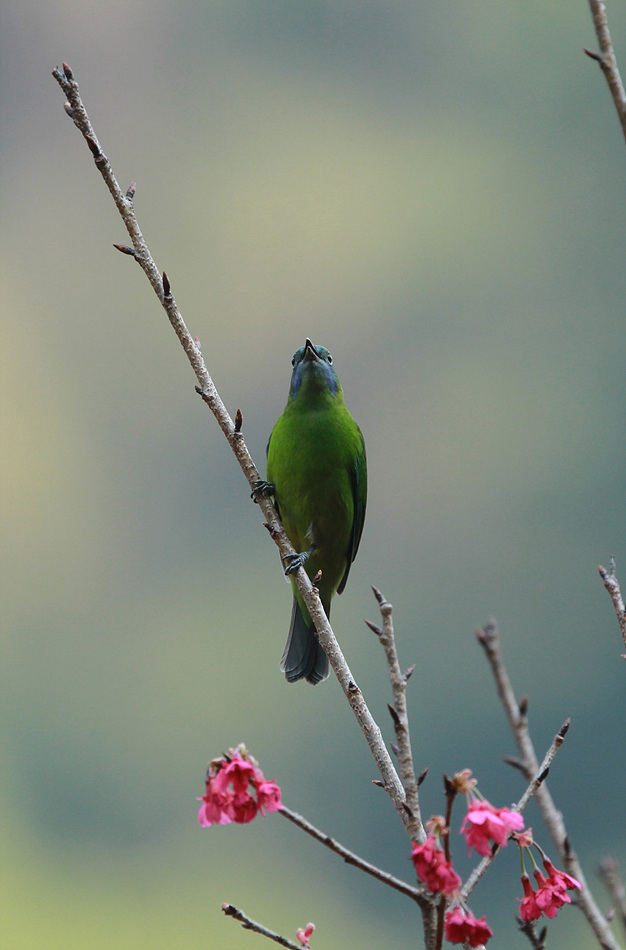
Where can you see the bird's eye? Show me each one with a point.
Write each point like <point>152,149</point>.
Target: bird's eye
<point>329,358</point>
<point>293,361</point>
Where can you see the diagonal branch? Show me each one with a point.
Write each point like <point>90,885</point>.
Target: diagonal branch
<point>124,202</point>
<point>489,640</point>
<point>351,858</point>
<point>607,61</point>
<point>248,924</point>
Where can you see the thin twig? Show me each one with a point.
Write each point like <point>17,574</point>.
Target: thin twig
<point>529,929</point>
<point>400,717</point>
<point>609,873</point>
<point>612,585</point>
<point>351,858</point>
<point>607,61</point>
<point>248,924</point>
<point>516,714</point>
<point>161,285</point>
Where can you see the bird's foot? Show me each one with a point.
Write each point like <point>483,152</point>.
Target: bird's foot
<point>293,562</point>
<point>261,490</point>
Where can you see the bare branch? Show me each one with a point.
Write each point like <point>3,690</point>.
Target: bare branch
<point>209,394</point>
<point>612,585</point>
<point>399,715</point>
<point>610,876</point>
<point>607,61</point>
<point>351,858</point>
<point>248,924</point>
<point>490,641</point>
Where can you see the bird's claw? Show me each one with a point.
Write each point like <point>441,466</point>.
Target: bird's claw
<point>295,561</point>
<point>261,490</point>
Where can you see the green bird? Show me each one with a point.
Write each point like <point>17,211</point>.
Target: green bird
<point>316,471</point>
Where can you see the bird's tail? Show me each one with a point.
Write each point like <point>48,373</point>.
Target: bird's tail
<point>303,656</point>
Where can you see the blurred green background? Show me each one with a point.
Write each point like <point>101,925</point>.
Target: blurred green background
<point>436,193</point>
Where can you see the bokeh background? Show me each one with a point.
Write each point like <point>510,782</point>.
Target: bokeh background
<point>435,191</point>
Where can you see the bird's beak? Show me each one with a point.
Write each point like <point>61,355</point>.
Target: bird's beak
<point>310,353</point>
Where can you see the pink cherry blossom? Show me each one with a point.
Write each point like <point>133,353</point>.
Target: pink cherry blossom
<point>485,824</point>
<point>237,773</point>
<point>268,797</point>
<point>529,909</point>
<point>463,927</point>
<point>231,784</point>
<point>433,868</point>
<point>552,890</point>
<point>304,935</point>
<point>563,879</point>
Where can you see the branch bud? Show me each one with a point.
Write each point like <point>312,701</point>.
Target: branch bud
<point>373,627</point>
<point>94,148</point>
<point>593,55</point>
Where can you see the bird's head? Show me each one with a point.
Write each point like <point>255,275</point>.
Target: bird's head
<point>313,372</point>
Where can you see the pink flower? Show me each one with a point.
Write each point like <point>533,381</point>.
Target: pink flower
<point>550,895</point>
<point>525,838</point>
<point>231,783</point>
<point>304,935</point>
<point>433,868</point>
<point>484,824</point>
<point>268,796</point>
<point>463,927</point>
<point>237,773</point>
<point>564,880</point>
<point>552,890</point>
<point>529,910</point>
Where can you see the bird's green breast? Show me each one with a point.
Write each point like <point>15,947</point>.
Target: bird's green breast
<point>311,461</point>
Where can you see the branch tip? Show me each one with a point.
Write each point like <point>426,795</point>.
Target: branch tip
<point>373,627</point>
<point>238,420</point>
<point>125,249</point>
<point>167,291</point>
<point>130,191</point>
<point>393,712</point>
<point>593,55</point>
<point>523,706</point>
<point>422,776</point>
<point>382,600</point>
<point>409,672</point>
<point>565,727</point>
<point>67,72</point>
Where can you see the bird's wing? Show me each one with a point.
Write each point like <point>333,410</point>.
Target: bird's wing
<point>358,480</point>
